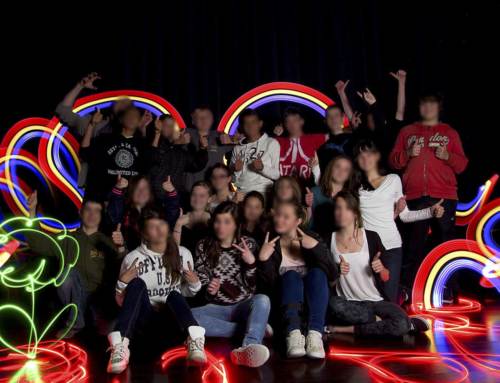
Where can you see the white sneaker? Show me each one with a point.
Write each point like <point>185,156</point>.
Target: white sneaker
<point>295,344</point>
<point>314,345</point>
<point>195,345</point>
<point>120,354</point>
<point>253,355</point>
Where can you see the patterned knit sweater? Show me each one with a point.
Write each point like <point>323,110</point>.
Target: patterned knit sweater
<point>237,277</point>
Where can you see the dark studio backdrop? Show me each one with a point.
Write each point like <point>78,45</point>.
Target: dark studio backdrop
<point>211,52</point>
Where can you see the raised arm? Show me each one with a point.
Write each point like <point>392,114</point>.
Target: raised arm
<point>400,75</point>
<point>64,109</point>
<point>341,86</point>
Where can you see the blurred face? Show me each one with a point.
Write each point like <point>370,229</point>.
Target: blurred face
<point>220,180</point>
<point>131,119</point>
<point>156,231</point>
<point>294,124</point>
<point>334,119</point>
<point>344,217</point>
<point>285,219</point>
<point>142,193</point>
<point>199,198</point>
<point>121,104</point>
<point>168,128</point>
<point>368,161</point>
<point>91,215</point>
<point>429,110</point>
<point>224,226</point>
<point>284,191</point>
<point>253,209</point>
<point>341,171</point>
<point>252,126</point>
<point>203,119</point>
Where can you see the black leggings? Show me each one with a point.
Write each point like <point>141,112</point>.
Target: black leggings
<point>362,315</point>
<point>137,313</point>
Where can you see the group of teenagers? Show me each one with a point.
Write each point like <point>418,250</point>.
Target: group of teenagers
<point>290,235</point>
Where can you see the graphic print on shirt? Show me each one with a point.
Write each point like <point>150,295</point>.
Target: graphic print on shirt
<point>435,140</point>
<point>124,156</point>
<point>155,266</point>
<point>288,163</point>
<point>252,154</point>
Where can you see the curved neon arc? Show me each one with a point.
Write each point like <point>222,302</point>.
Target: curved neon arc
<point>270,92</point>
<point>155,104</point>
<point>466,210</point>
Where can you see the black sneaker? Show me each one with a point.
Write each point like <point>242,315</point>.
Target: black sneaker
<point>419,324</point>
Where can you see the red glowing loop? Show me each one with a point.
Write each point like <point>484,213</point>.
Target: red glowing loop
<point>215,366</point>
<point>56,362</point>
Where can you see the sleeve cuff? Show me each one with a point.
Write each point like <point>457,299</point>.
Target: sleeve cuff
<point>117,191</point>
<point>120,287</point>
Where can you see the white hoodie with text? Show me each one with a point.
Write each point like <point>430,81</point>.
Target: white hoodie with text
<point>268,150</point>
<point>151,271</point>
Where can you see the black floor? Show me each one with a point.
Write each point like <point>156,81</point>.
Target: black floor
<point>412,358</point>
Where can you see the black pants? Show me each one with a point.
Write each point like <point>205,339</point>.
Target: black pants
<point>419,242</point>
<point>362,315</point>
<point>138,314</point>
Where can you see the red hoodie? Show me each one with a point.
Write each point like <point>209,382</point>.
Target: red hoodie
<point>296,152</point>
<point>426,174</point>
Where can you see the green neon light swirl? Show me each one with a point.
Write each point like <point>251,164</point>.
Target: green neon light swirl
<point>34,281</point>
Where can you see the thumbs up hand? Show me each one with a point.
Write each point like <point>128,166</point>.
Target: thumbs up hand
<point>167,185</point>
<point>437,209</point>
<point>377,264</point>
<point>121,183</point>
<point>309,198</point>
<point>117,236</point>
<point>344,266</point>
<point>442,152</point>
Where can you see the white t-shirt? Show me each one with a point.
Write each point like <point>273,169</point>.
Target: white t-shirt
<point>359,283</point>
<point>377,211</point>
<point>153,273</point>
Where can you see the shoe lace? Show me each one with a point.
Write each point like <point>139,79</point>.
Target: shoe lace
<point>297,341</point>
<point>196,344</point>
<point>117,352</point>
<point>311,344</point>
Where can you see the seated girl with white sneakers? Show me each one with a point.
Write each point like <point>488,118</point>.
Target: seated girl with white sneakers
<point>154,279</point>
<point>297,267</point>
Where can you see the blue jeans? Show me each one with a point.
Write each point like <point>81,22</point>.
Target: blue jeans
<point>392,259</point>
<point>248,317</point>
<point>297,290</point>
<point>73,290</point>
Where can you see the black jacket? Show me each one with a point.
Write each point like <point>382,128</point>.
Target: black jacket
<point>318,256</point>
<point>374,246</point>
<point>173,160</point>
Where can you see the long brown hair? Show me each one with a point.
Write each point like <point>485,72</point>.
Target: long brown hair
<point>211,243</point>
<point>297,193</point>
<point>327,178</point>
<point>299,210</point>
<point>352,202</point>
<point>171,257</point>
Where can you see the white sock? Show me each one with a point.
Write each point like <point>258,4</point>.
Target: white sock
<point>196,332</point>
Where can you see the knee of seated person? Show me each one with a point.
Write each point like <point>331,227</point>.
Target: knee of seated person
<point>291,275</point>
<point>336,303</point>
<point>262,301</point>
<point>137,283</point>
<point>401,326</point>
<point>317,273</point>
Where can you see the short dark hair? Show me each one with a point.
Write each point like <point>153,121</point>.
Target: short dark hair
<point>91,199</point>
<point>334,106</point>
<point>247,113</point>
<point>292,111</point>
<point>131,108</point>
<point>431,97</point>
<point>202,107</point>
<point>165,116</point>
